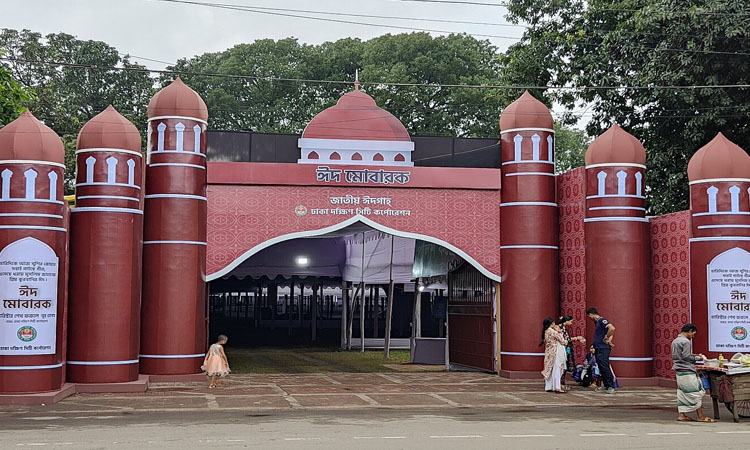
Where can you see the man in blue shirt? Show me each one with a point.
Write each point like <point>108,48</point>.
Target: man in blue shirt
<point>603,333</point>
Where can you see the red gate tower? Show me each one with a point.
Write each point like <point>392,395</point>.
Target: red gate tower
<point>528,239</point>
<point>106,235</point>
<point>618,270</point>
<point>33,246</point>
<point>719,175</point>
<point>173,332</point>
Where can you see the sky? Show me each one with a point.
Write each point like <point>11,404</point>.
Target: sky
<point>167,31</point>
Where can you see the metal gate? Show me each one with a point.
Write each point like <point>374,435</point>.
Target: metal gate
<point>471,318</point>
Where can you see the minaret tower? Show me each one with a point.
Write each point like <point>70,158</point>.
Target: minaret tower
<point>528,232</point>
<point>719,175</point>
<point>33,255</point>
<point>106,236</point>
<point>174,322</point>
<point>618,273</point>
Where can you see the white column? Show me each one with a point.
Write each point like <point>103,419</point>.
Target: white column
<point>180,128</point>
<point>712,191</point>
<point>52,185</point>
<point>160,140</point>
<point>535,147</point>
<point>30,184</point>
<point>734,193</point>
<point>639,183</point>
<point>550,152</point>
<point>90,161</point>
<point>517,149</point>
<point>111,170</point>
<point>622,176</point>
<point>131,172</point>
<point>6,176</point>
<point>197,134</point>
<point>601,188</point>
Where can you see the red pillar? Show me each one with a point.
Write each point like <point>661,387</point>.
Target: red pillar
<point>618,282</point>
<point>719,175</point>
<point>33,258</point>
<point>105,245</point>
<point>173,334</point>
<point>528,232</point>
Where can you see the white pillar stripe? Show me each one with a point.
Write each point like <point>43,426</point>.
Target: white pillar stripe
<point>622,177</point>
<point>197,134</point>
<point>517,140</point>
<point>180,128</point>
<point>90,161</point>
<point>535,147</point>
<point>160,140</point>
<point>6,176</point>
<point>111,170</point>
<point>131,172</point>
<point>601,187</point>
<point>30,183</point>
<point>734,194</point>
<point>712,191</point>
<point>52,185</point>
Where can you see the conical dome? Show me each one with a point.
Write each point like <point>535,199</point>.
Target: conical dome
<point>720,158</point>
<point>356,116</point>
<point>28,139</point>
<point>526,112</point>
<point>616,146</point>
<point>177,99</point>
<point>109,129</point>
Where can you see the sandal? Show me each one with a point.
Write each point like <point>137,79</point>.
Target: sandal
<point>212,386</point>
<point>707,420</point>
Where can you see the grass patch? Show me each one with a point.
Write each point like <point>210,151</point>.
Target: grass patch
<point>311,360</point>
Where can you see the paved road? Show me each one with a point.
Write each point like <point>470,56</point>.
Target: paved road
<point>487,428</point>
<point>365,411</point>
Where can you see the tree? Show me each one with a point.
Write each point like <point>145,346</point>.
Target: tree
<point>625,57</point>
<point>286,106</point>
<point>74,80</point>
<point>13,97</point>
<point>570,148</point>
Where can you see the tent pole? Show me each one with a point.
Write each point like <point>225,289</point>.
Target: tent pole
<point>389,310</point>
<point>374,296</point>
<point>291,305</point>
<point>314,312</point>
<point>362,299</point>
<point>344,307</point>
<point>416,326</point>
<point>350,326</point>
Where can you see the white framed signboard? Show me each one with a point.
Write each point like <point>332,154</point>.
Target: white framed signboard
<point>728,280</point>
<point>28,298</point>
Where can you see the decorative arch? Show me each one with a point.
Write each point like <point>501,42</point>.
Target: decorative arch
<point>341,225</point>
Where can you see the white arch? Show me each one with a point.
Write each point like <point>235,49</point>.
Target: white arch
<point>341,225</point>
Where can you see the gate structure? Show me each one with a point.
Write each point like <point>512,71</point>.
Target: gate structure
<point>471,319</point>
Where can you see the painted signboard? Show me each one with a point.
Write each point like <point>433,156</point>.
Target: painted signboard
<point>28,298</point>
<point>728,279</point>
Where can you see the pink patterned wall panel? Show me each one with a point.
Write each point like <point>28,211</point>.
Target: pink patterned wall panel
<point>571,200</point>
<point>670,236</point>
<point>241,217</point>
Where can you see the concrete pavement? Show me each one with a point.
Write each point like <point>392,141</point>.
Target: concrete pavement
<point>383,411</point>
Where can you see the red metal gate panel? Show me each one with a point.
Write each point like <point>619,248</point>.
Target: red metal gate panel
<point>471,340</point>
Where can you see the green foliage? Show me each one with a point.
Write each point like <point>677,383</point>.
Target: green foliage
<point>570,148</point>
<point>66,97</point>
<point>13,97</point>
<point>279,106</point>
<point>631,44</point>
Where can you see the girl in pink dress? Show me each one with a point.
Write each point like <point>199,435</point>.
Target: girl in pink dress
<point>215,363</point>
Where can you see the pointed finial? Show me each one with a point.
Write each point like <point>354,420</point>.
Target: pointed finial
<point>356,79</point>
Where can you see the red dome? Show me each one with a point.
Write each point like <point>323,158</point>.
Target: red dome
<point>356,116</point>
<point>526,112</point>
<point>616,146</point>
<point>720,158</point>
<point>109,129</point>
<point>28,139</point>
<point>177,99</point>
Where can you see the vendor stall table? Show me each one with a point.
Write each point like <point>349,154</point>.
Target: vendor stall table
<point>739,381</point>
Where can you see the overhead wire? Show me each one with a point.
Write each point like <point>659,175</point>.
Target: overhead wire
<point>368,83</point>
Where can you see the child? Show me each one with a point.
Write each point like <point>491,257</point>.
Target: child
<point>590,375</point>
<point>215,363</point>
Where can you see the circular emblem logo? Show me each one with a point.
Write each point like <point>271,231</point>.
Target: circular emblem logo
<point>739,333</point>
<point>300,210</point>
<point>26,333</point>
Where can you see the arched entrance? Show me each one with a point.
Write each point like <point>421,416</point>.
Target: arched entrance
<point>334,286</point>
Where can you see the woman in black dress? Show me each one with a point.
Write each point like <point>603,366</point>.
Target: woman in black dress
<point>565,324</point>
